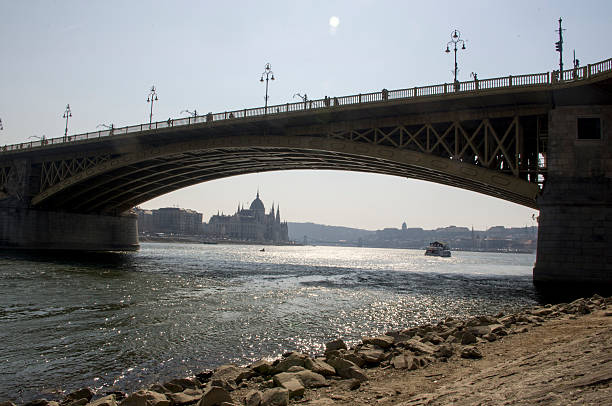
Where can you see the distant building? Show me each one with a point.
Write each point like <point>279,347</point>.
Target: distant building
<point>252,224</point>
<point>169,220</point>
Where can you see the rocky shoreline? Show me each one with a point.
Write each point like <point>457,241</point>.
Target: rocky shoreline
<point>555,354</point>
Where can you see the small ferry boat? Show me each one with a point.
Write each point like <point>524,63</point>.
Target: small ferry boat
<point>438,249</point>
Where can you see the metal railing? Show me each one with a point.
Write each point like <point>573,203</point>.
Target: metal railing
<point>476,85</point>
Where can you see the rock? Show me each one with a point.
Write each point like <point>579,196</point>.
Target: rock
<point>471,352</point>
<point>350,384</point>
<point>295,368</point>
<point>275,397</point>
<point>321,402</point>
<point>433,338</point>
<point>214,396</point>
<point>186,383</point>
<point>253,398</point>
<point>159,388</point>
<point>468,338</point>
<point>335,345</point>
<point>490,337</point>
<point>204,376</point>
<point>544,311</point>
<point>357,359</point>
<point>232,373</point>
<point>290,382</point>
<point>311,379</point>
<point>319,366</point>
<point>293,359</point>
<point>78,402</point>
<point>371,354</point>
<point>186,397</point>
<point>40,402</point>
<point>172,388</point>
<point>405,361</point>
<point>222,383</point>
<point>418,347</point>
<point>379,341</point>
<point>262,367</point>
<point>444,351</point>
<point>109,400</point>
<point>507,320</point>
<point>84,393</point>
<point>145,398</point>
<point>7,403</point>
<point>347,369</point>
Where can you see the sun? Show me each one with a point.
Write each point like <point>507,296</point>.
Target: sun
<point>334,22</point>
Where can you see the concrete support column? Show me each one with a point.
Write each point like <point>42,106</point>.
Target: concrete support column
<point>24,228</point>
<point>575,234</point>
<point>575,222</point>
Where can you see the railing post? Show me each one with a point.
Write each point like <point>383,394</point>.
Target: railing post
<point>589,70</point>
<point>415,92</point>
<point>446,88</point>
<point>359,97</point>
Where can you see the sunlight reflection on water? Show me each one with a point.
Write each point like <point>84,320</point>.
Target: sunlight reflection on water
<point>121,321</point>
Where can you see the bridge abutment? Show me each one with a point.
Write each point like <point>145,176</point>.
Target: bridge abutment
<point>575,222</point>
<point>24,228</point>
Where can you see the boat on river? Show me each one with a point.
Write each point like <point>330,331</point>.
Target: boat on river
<point>438,249</point>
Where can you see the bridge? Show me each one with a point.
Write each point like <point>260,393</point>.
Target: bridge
<point>540,140</point>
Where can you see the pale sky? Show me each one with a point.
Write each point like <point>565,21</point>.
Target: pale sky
<point>103,56</point>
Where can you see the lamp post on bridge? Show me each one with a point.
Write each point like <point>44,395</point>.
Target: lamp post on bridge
<point>152,97</point>
<point>455,39</point>
<point>67,115</point>
<point>1,126</point>
<point>193,113</point>
<point>269,76</point>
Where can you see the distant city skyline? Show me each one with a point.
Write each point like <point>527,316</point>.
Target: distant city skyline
<point>102,58</point>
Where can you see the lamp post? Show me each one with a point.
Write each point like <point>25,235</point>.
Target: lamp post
<point>152,97</point>
<point>304,98</point>
<point>455,39</point>
<point>193,113</point>
<point>67,115</point>
<point>1,127</point>
<point>269,76</point>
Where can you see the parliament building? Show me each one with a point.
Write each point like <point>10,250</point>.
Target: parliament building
<point>252,224</point>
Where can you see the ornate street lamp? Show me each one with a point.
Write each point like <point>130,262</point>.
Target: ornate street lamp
<point>304,98</point>
<point>1,127</point>
<point>193,113</point>
<point>269,75</point>
<point>152,97</point>
<point>455,39</point>
<point>67,115</point>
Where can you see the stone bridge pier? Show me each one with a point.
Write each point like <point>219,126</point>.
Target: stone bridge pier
<point>24,227</point>
<point>575,223</point>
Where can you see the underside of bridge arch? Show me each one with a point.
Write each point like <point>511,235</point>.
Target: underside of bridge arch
<point>116,185</point>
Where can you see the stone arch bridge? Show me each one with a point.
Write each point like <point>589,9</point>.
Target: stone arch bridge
<point>539,140</point>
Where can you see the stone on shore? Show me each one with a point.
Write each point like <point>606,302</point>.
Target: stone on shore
<point>185,397</point>
<point>335,345</point>
<point>405,361</point>
<point>379,341</point>
<point>418,347</point>
<point>471,353</point>
<point>347,369</point>
<point>231,374</point>
<point>214,396</point>
<point>319,366</point>
<point>145,398</point>
<point>290,382</point>
<point>262,367</point>
<point>109,400</point>
<point>253,398</point>
<point>275,397</point>
<point>371,354</point>
<point>84,393</point>
<point>293,359</point>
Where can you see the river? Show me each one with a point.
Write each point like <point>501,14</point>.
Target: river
<point>121,321</point>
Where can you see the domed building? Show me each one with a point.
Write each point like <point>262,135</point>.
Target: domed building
<point>252,224</point>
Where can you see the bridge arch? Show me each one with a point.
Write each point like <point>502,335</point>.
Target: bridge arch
<point>116,185</point>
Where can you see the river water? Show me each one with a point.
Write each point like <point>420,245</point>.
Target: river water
<point>121,321</point>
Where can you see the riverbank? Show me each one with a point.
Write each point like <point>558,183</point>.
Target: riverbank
<point>559,354</point>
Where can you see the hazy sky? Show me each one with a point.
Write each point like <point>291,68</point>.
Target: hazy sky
<point>103,56</point>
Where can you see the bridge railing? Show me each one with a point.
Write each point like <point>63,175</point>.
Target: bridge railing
<point>476,85</point>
